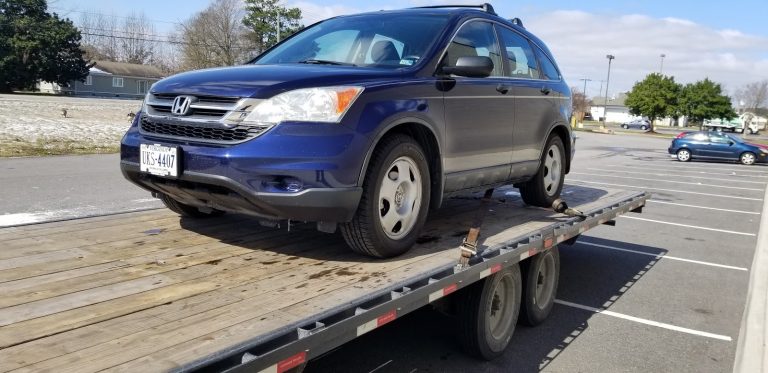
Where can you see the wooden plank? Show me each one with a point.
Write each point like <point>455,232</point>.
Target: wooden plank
<point>228,273</point>
<point>123,249</point>
<point>73,224</point>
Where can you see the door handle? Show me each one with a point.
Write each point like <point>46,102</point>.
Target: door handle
<point>502,88</point>
<point>545,90</point>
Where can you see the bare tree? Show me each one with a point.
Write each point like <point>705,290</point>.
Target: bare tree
<point>137,39</point>
<point>214,36</point>
<point>581,104</point>
<point>104,38</point>
<point>753,95</point>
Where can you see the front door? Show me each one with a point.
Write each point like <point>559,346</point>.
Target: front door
<point>479,113</point>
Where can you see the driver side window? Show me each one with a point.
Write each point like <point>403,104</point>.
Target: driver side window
<point>475,38</point>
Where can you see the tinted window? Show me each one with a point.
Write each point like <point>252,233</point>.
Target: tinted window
<point>475,39</point>
<point>522,62</point>
<point>548,69</point>
<point>376,40</point>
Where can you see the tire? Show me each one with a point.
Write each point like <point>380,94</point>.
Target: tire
<point>487,312</point>
<point>384,225</point>
<point>626,127</point>
<point>747,158</point>
<point>643,128</point>
<point>683,155</point>
<point>542,275</point>
<point>187,210</point>
<point>545,187</point>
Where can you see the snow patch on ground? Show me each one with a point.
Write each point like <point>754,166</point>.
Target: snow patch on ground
<point>39,119</point>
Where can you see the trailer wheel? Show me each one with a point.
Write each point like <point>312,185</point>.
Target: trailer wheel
<point>487,313</point>
<point>395,200</point>
<point>186,210</point>
<point>542,274</point>
<point>545,187</point>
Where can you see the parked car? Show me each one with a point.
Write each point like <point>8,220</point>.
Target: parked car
<point>716,146</point>
<point>642,124</point>
<point>364,121</point>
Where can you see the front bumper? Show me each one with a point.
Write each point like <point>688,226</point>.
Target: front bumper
<point>222,193</point>
<point>306,172</point>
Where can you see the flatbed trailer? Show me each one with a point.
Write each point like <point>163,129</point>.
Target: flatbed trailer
<point>150,291</point>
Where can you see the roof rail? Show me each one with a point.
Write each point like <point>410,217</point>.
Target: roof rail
<point>485,7</point>
<point>517,21</point>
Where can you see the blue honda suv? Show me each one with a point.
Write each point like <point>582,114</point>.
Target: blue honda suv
<point>363,123</point>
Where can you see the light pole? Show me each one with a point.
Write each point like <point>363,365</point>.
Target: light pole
<point>661,68</point>
<point>610,58</point>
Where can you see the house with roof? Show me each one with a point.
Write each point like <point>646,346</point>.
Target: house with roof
<point>110,79</point>
<point>615,111</point>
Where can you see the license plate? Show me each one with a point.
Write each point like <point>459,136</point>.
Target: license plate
<point>160,160</point>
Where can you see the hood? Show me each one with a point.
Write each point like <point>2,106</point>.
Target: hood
<point>761,146</point>
<point>264,81</point>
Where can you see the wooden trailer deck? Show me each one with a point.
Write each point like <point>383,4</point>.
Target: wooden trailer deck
<point>150,291</point>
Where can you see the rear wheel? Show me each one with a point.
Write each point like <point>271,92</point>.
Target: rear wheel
<point>187,210</point>
<point>395,200</point>
<point>747,158</point>
<point>683,155</point>
<point>625,126</point>
<point>541,273</point>
<point>487,313</point>
<point>545,187</point>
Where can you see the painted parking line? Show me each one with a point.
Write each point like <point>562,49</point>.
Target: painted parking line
<point>688,226</point>
<point>703,207</point>
<point>676,175</point>
<point>733,173</point>
<point>669,181</point>
<point>665,165</point>
<point>662,325</point>
<point>662,256</point>
<point>662,189</point>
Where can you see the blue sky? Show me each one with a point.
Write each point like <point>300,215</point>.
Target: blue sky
<point>725,41</point>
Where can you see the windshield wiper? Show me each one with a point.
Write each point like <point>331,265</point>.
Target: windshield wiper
<point>326,62</point>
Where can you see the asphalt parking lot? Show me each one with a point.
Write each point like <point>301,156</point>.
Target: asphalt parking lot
<point>663,291</point>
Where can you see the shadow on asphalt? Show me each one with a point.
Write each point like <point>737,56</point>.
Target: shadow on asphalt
<point>425,341</point>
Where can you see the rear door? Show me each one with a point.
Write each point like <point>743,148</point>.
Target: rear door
<point>534,103</point>
<point>698,144</point>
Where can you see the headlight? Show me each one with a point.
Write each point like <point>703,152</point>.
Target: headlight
<point>327,104</point>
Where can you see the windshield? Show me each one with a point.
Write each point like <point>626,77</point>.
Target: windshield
<point>736,138</point>
<point>374,40</point>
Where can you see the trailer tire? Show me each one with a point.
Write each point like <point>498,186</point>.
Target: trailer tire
<point>186,210</point>
<point>542,275</point>
<point>487,313</point>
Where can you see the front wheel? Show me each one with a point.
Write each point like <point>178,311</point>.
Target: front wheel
<point>747,158</point>
<point>545,187</point>
<point>395,200</point>
<point>683,155</point>
<point>643,128</point>
<point>487,312</point>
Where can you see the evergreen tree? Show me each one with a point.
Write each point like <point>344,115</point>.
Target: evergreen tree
<point>267,22</point>
<point>37,45</point>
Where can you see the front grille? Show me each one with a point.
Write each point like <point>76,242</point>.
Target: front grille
<point>202,108</point>
<point>213,132</point>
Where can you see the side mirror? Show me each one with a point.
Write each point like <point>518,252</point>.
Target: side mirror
<point>471,67</point>
<point>730,143</point>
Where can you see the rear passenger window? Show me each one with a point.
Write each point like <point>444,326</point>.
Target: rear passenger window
<point>697,137</point>
<point>548,69</point>
<point>519,55</point>
<point>475,39</point>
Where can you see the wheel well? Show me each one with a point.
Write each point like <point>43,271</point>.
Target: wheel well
<point>428,143</point>
<point>563,133</point>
